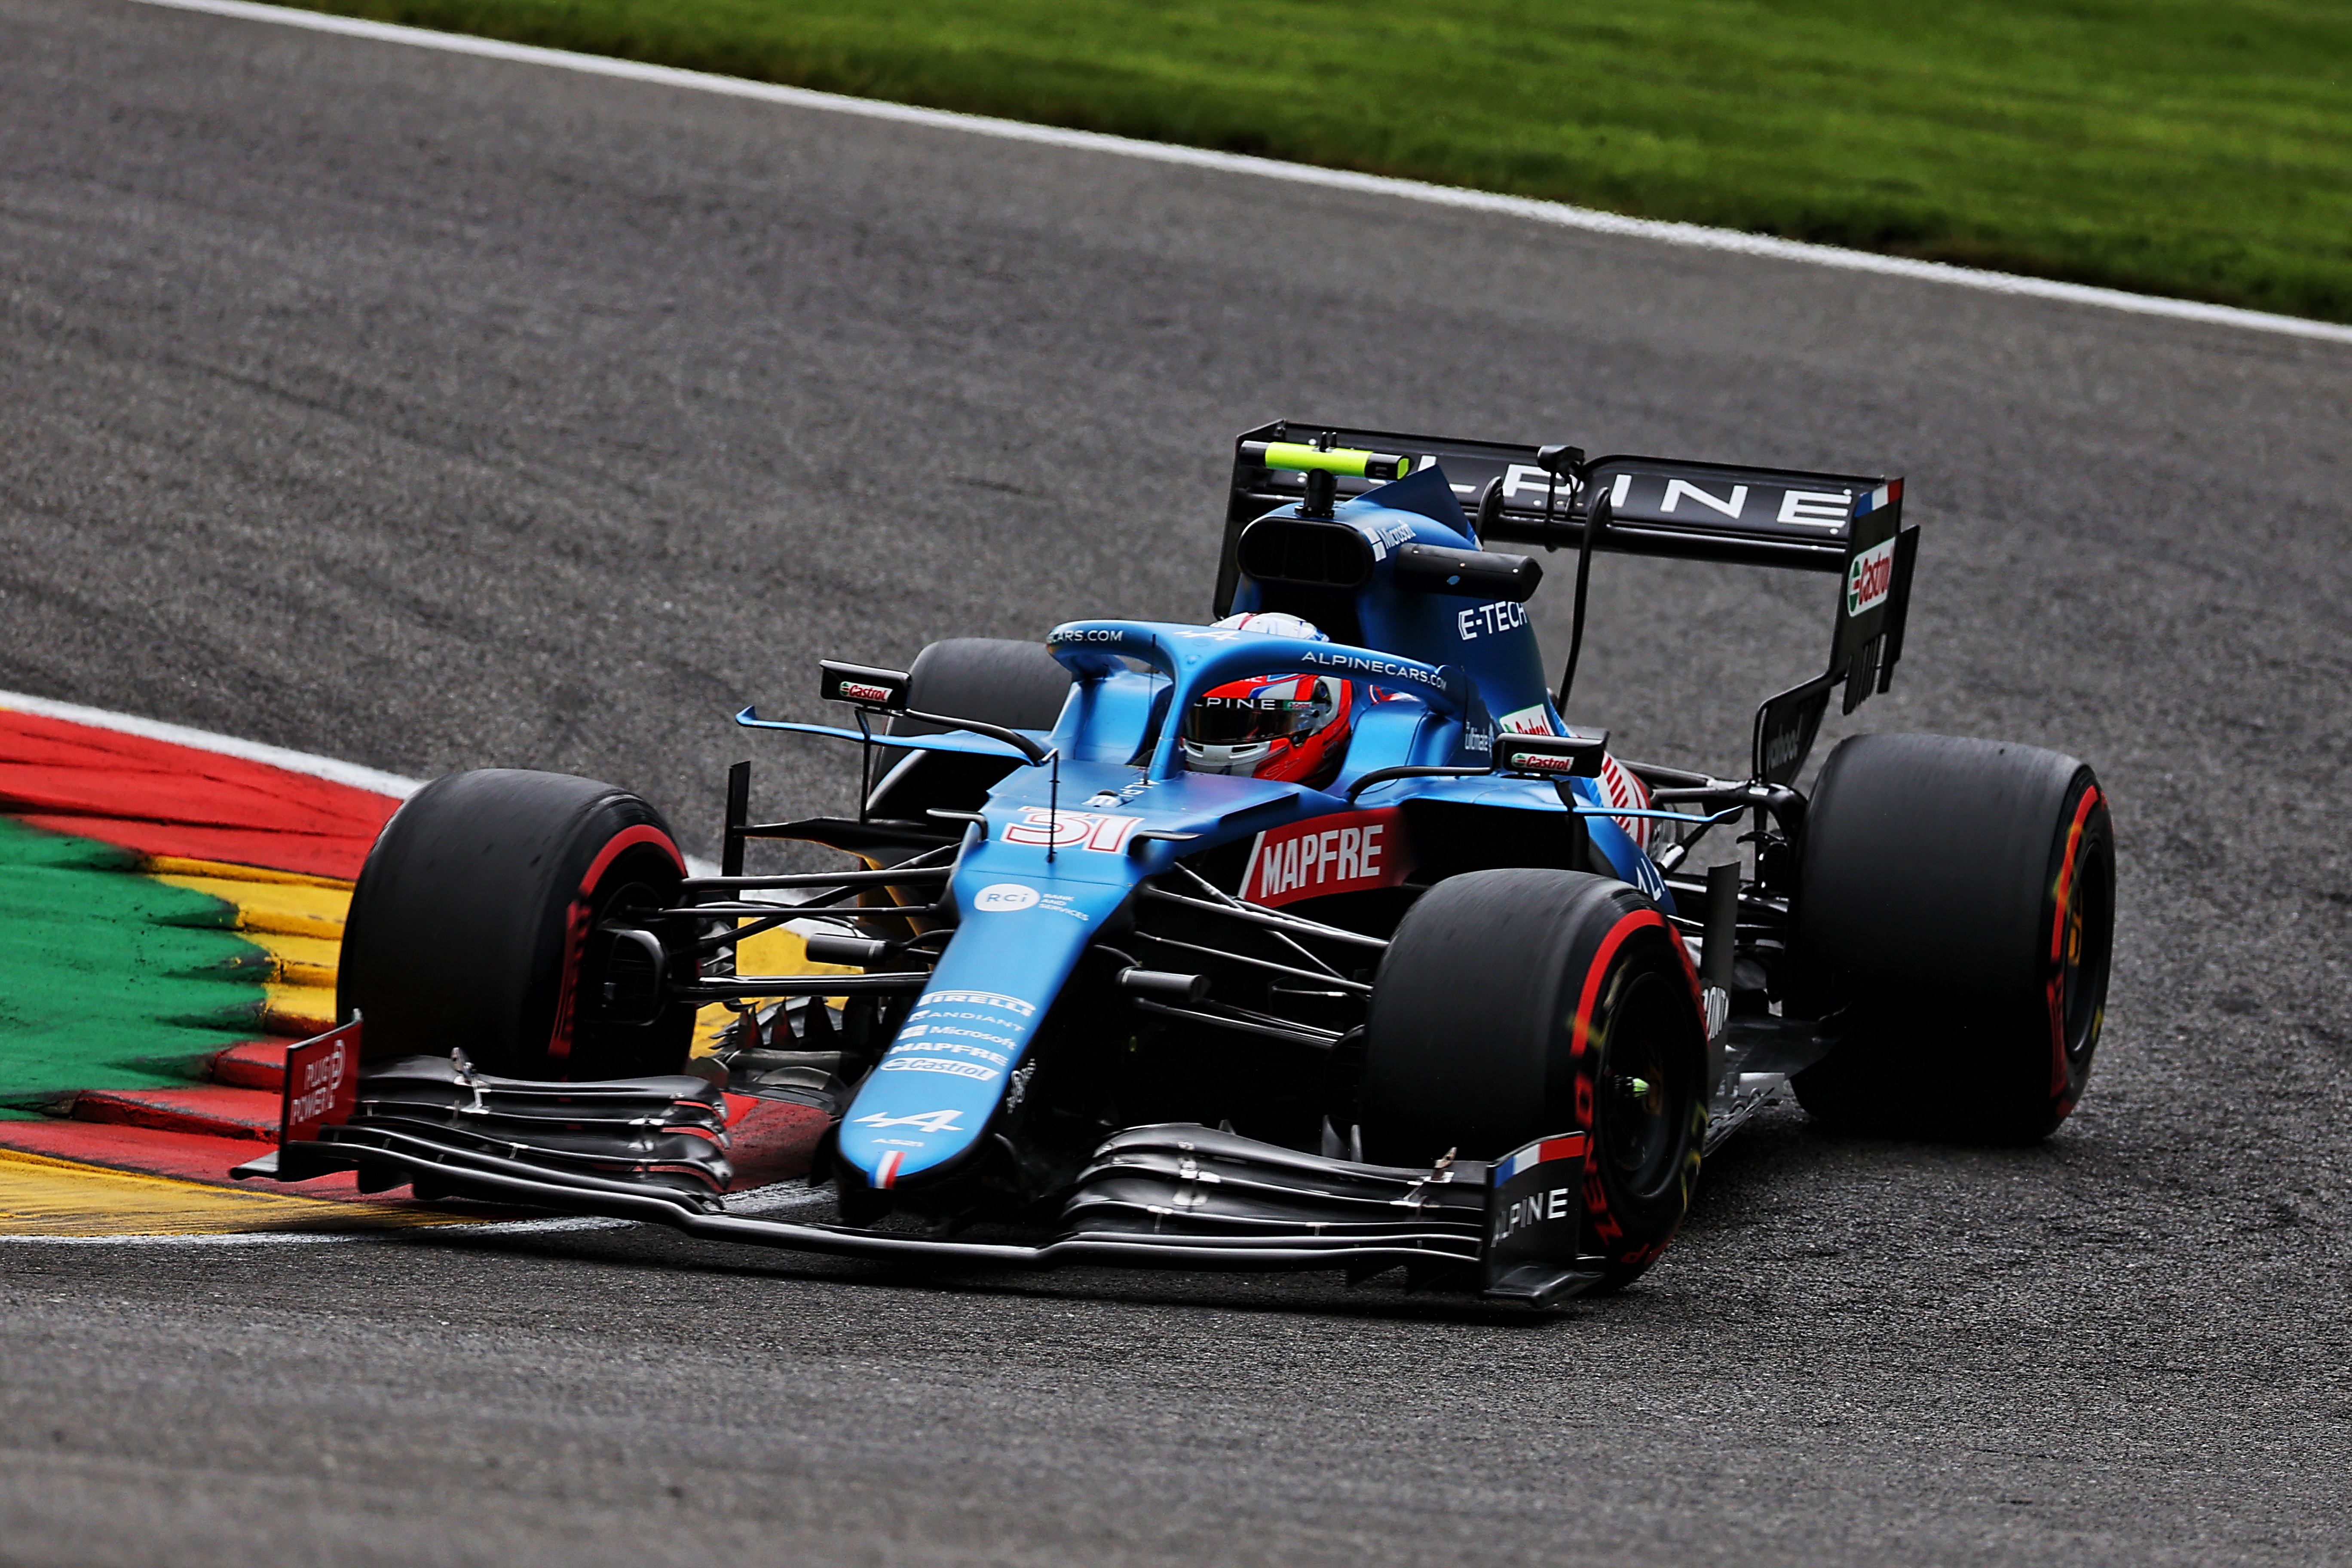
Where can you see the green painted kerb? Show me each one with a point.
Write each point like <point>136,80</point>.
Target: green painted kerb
<point>109,979</point>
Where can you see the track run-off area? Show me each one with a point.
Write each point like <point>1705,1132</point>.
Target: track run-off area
<point>424,410</point>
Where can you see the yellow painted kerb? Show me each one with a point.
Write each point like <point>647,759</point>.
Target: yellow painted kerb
<point>297,919</point>
<point>782,951</point>
<point>41,1196</point>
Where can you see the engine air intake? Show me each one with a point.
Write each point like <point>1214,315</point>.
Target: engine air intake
<point>1312,554</point>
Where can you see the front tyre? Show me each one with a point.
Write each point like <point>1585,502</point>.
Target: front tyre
<point>481,924</point>
<point>1513,1005</point>
<point>1019,685</point>
<point>1953,923</point>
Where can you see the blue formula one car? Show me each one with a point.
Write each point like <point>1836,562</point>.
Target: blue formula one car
<point>1313,938</point>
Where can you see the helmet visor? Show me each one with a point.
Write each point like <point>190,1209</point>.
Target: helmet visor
<point>1243,719</point>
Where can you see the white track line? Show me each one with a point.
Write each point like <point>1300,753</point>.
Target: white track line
<point>1557,214</point>
<point>326,768</point>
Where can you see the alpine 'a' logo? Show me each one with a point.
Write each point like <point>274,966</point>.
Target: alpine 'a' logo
<point>1870,579</point>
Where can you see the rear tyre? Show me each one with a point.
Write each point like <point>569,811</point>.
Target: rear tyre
<point>474,927</point>
<point>1954,922</point>
<point>1019,685</point>
<point>1513,1005</point>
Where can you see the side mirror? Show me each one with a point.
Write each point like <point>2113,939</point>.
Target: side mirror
<point>884,691</point>
<point>1575,756</point>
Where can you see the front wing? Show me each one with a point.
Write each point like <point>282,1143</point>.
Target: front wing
<point>1175,1196</point>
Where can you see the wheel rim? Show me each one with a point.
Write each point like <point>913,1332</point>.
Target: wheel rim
<point>1640,1107</point>
<point>609,983</point>
<point>2087,941</point>
<point>615,982</point>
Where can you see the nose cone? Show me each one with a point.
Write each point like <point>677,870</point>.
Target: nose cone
<point>958,1058</point>
<point>940,1081</point>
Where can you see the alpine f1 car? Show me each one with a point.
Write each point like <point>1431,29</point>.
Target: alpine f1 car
<point>1312,938</point>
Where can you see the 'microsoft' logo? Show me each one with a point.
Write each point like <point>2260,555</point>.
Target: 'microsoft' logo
<point>1870,579</point>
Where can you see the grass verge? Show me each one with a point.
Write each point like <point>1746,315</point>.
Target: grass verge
<point>2196,148</point>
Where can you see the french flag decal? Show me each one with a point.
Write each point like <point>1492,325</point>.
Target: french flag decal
<point>1571,1147</point>
<point>886,1174</point>
<point>1885,495</point>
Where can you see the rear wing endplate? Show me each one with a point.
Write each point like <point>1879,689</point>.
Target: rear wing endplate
<point>1845,525</point>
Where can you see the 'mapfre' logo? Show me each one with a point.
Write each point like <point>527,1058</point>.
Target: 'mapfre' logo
<point>1352,852</point>
<point>1870,579</point>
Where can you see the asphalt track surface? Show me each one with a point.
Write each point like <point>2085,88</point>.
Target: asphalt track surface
<point>431,413</point>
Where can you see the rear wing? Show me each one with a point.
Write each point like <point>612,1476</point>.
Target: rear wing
<point>1845,525</point>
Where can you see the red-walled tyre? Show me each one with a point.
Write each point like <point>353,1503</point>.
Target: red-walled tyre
<point>1513,1005</point>
<point>478,924</point>
<point>1954,922</point>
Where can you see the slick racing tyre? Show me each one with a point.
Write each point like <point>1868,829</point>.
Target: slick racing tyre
<point>1018,685</point>
<point>1513,1005</point>
<point>1954,919</point>
<point>477,925</point>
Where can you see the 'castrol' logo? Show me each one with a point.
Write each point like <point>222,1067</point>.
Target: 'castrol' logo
<point>856,691</point>
<point>1870,578</point>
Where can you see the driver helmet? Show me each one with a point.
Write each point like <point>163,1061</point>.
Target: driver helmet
<point>1291,728</point>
